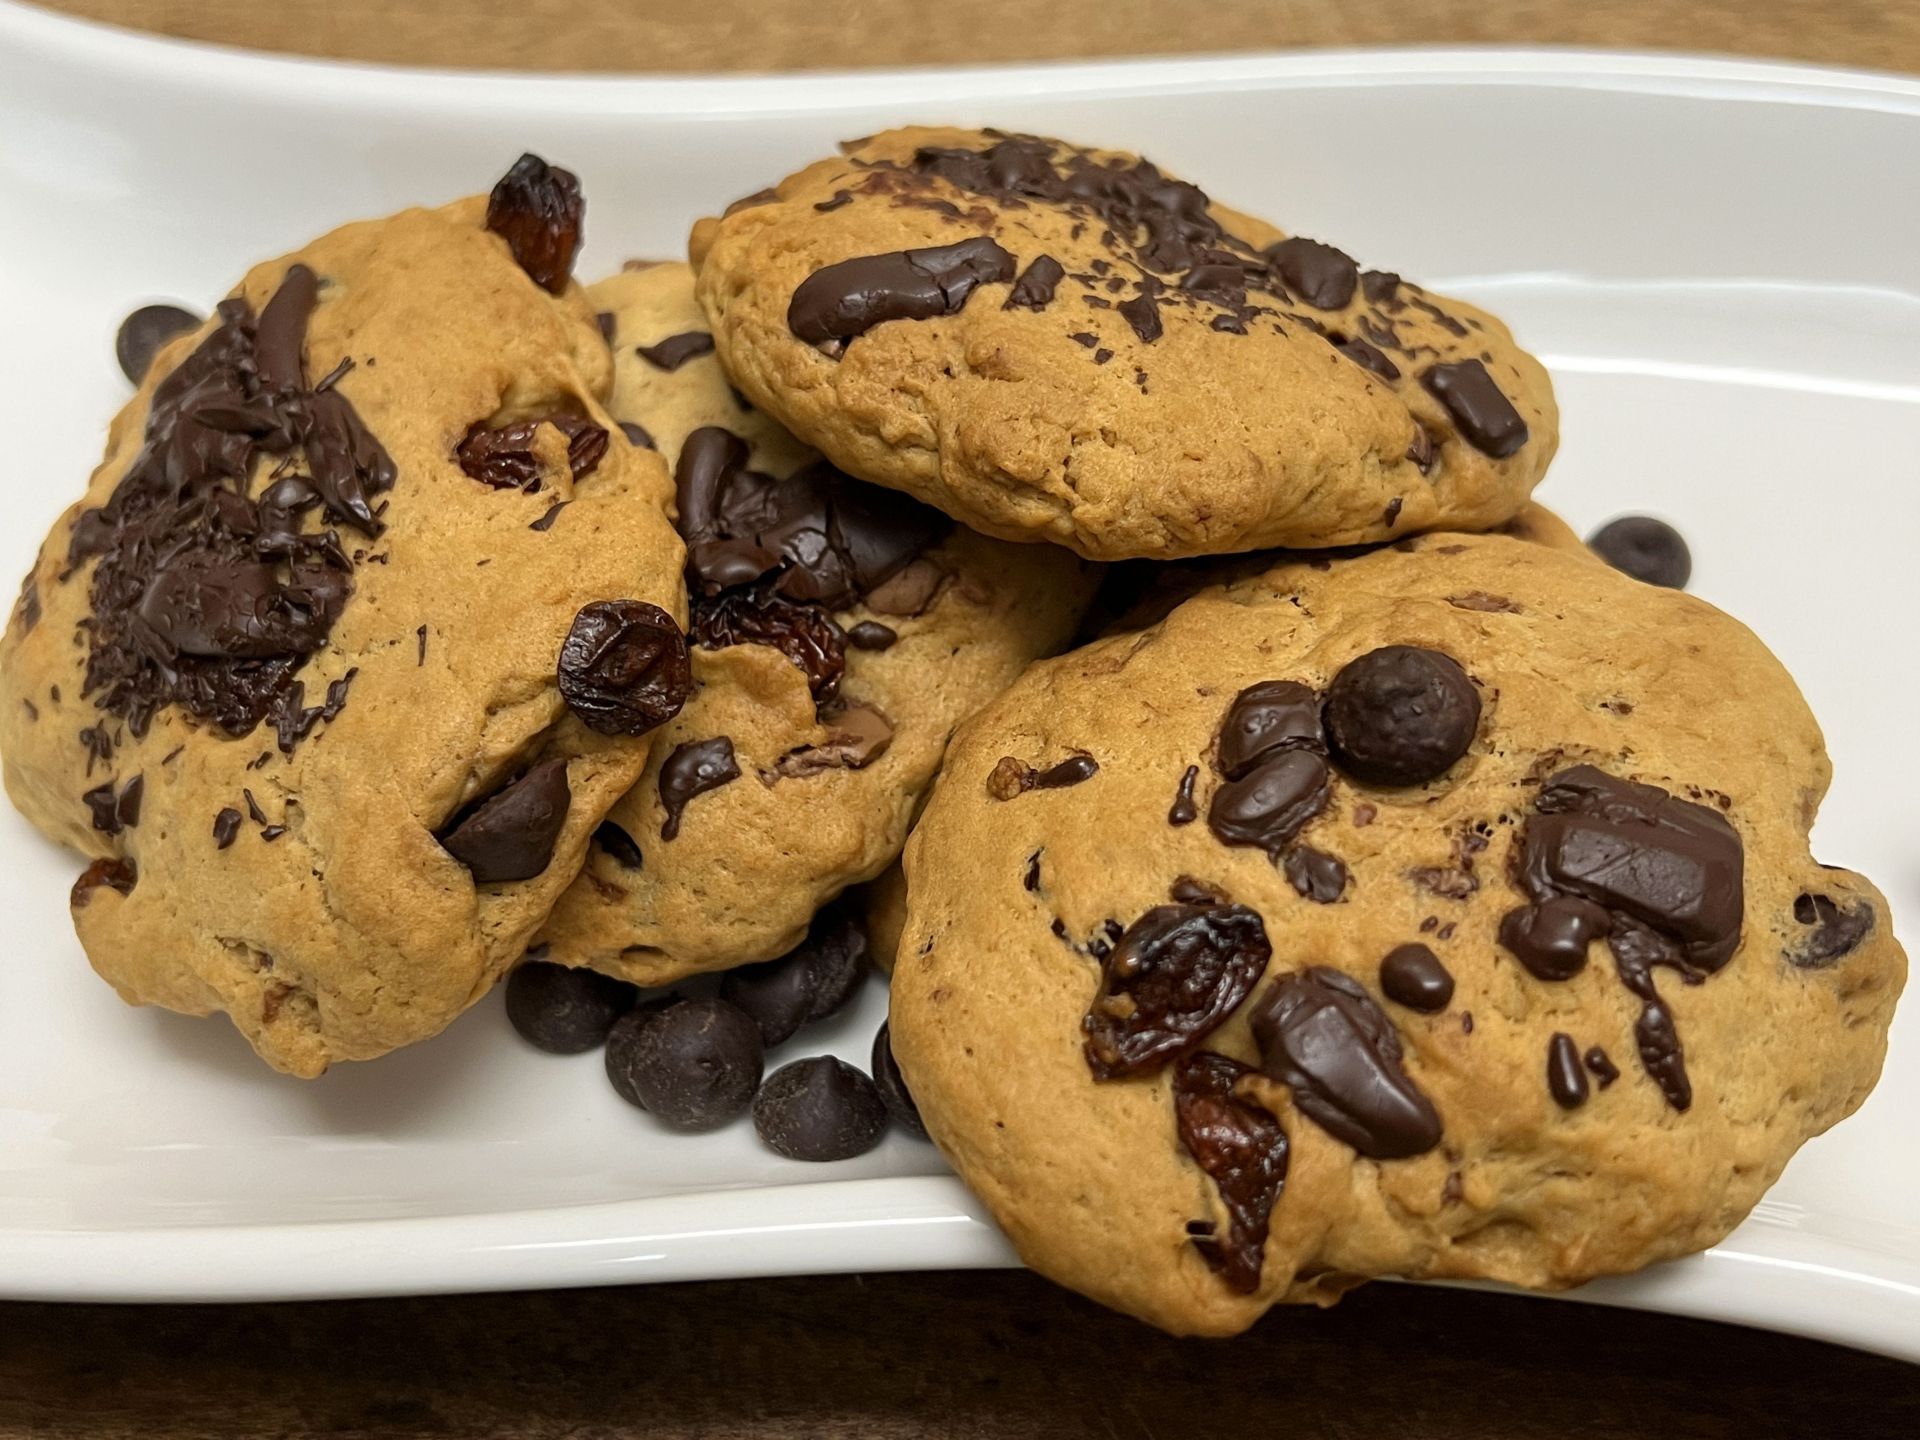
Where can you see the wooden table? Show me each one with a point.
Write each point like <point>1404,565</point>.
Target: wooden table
<point>976,1355</point>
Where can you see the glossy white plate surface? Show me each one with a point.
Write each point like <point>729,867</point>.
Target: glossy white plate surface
<point>1719,261</point>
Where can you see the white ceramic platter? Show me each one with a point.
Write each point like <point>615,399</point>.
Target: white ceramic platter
<point>1718,260</point>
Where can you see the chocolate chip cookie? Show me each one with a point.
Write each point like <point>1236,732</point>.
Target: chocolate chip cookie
<point>840,632</point>
<point>1446,913</point>
<point>365,620</point>
<point>1055,343</point>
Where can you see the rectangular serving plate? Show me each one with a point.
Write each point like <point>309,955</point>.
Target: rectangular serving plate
<point>1717,259</point>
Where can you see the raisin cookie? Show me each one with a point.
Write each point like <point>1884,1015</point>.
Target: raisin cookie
<point>1444,914</point>
<point>840,632</point>
<point>1054,343</point>
<point>356,635</point>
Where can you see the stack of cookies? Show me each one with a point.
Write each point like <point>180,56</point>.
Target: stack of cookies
<point>1372,882</point>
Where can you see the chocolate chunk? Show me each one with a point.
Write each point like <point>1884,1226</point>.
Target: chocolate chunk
<point>692,1065</point>
<point>537,209</point>
<point>676,350</point>
<point>1174,976</point>
<point>1645,548</point>
<point>872,635</point>
<point>1603,1068</point>
<point>1565,1079</point>
<point>511,835</point>
<point>117,875</point>
<point>127,808</point>
<point>1662,1054</point>
<point>1034,289</point>
<point>1551,936</point>
<point>620,845</point>
<point>623,667</point>
<point>805,634</point>
<point>273,833</point>
<point>843,301</point>
<point>1422,451</point>
<point>1413,976</point>
<point>1142,312</point>
<point>1182,811</point>
<point>1321,877</point>
<point>1391,514</point>
<point>1837,931</point>
<point>1268,806</point>
<point>226,827</point>
<point>1401,715</point>
<point>831,203</point>
<point>1484,414</point>
<point>143,333</point>
<point>857,735</point>
<point>819,1109</point>
<point>1243,1149</point>
<point>504,458</point>
<point>1273,715</point>
<point>1367,357</point>
<point>691,771</point>
<point>892,1085</point>
<point>1323,1036</point>
<point>564,1010</point>
<point>1379,286</point>
<point>813,980</point>
<point>1319,274</point>
<point>100,805</point>
<point>637,435</point>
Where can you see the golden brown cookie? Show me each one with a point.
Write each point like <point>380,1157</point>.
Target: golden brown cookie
<point>1053,343</point>
<point>841,632</point>
<point>1447,913</point>
<point>319,670</point>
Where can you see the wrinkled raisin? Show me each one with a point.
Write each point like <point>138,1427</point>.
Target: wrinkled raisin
<point>1243,1149</point>
<point>623,667</point>
<point>536,208</point>
<point>805,634</point>
<point>1174,976</point>
<point>504,458</point>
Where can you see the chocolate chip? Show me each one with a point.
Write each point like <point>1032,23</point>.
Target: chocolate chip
<point>676,350</point>
<point>1367,357</point>
<point>1323,1036</point>
<point>1551,936</point>
<point>119,876</point>
<point>511,835</point>
<point>1391,515</point>
<point>813,980</point>
<point>1413,976</point>
<point>1174,976</point>
<point>872,635</point>
<point>1422,451</point>
<point>619,844</point>
<point>1379,286</point>
<point>805,634</point>
<point>1268,806</point>
<point>1243,1149</point>
<point>100,806</point>
<point>637,435</point>
<point>1319,274</point>
<point>226,828</point>
<point>1142,312</point>
<point>545,522</point>
<point>1030,879</point>
<point>1321,877</point>
<point>819,1109</point>
<point>1645,548</point>
<point>1034,289</point>
<point>1565,1079</point>
<point>1272,715</point>
<point>691,771</point>
<point>623,667</point>
<point>843,301</point>
<point>1478,406</point>
<point>1182,811</point>
<point>1603,1068</point>
<point>127,808</point>
<point>504,458</point>
<point>1662,1054</point>
<point>564,1010</point>
<point>143,333</point>
<point>692,1065</point>
<point>1837,931</point>
<point>892,1085</point>
<point>1401,715</point>
<point>831,203</point>
<point>537,209</point>
<point>1013,776</point>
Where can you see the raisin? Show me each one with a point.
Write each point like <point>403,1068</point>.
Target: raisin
<point>536,208</point>
<point>1243,1149</point>
<point>624,668</point>
<point>504,458</point>
<point>805,634</point>
<point>1174,977</point>
<point>119,874</point>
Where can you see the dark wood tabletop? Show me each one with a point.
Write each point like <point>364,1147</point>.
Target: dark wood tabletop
<point>982,1354</point>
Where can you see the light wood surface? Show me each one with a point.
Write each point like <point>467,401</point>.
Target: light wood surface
<point>985,1355</point>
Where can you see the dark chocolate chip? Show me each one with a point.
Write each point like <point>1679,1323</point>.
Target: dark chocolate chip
<point>1321,877</point>
<point>619,844</point>
<point>1836,930</point>
<point>119,876</point>
<point>1401,715</point>
<point>1183,811</point>
<point>637,435</point>
<point>127,808</point>
<point>1273,715</point>
<point>1379,286</point>
<point>843,301</point>
<point>1391,515</point>
<point>1034,289</point>
<point>1413,976</point>
<point>692,1065</point>
<point>819,1109</point>
<point>892,1085</point>
<point>545,522</point>
<point>511,835</point>
<point>676,350</point>
<point>1602,1066</point>
<point>1645,548</point>
<point>1142,312</point>
<point>1268,806</point>
<point>691,771</point>
<point>1367,357</point>
<point>1323,1036</point>
<point>1662,1054</point>
<point>872,635</point>
<point>226,828</point>
<point>143,333</point>
<point>1243,1149</point>
<point>813,980</point>
<point>1478,406</point>
<point>1565,1079</point>
<point>624,668</point>
<point>101,807</point>
<point>1030,879</point>
<point>1551,936</point>
<point>1319,274</point>
<point>564,1010</point>
<point>1174,976</point>
<point>536,208</point>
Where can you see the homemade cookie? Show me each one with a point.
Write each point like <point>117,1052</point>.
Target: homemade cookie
<point>343,655</point>
<point>841,632</point>
<point>1252,955</point>
<point>1053,343</point>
